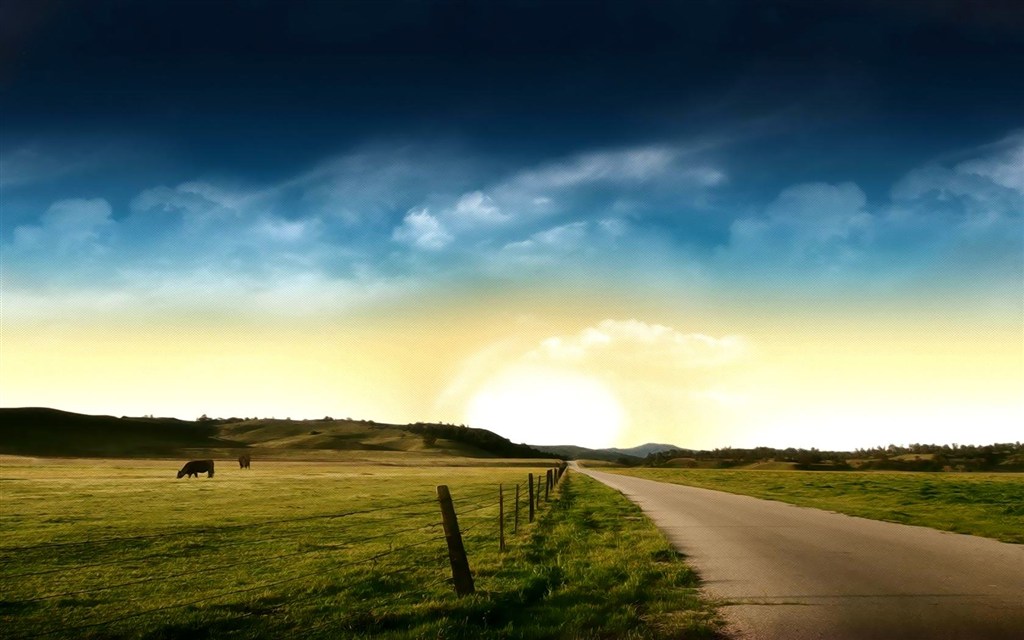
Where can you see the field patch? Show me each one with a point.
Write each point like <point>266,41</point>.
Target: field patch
<point>120,548</point>
<point>981,504</point>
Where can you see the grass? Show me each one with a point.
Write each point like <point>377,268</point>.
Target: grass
<point>121,549</point>
<point>981,504</point>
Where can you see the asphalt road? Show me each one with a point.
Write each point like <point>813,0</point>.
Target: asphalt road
<point>790,573</point>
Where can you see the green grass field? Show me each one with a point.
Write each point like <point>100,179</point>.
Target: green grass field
<point>122,549</point>
<point>981,504</point>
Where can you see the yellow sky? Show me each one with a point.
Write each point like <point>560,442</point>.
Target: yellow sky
<point>582,369</point>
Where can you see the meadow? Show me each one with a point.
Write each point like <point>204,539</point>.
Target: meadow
<point>121,549</point>
<point>981,504</point>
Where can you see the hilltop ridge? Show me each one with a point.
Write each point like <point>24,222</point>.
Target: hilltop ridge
<point>41,431</point>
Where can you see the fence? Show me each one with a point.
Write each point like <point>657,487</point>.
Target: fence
<point>392,551</point>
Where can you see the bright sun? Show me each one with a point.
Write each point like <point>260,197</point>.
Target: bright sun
<point>539,405</point>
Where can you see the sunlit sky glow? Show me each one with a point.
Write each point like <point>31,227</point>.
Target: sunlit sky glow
<point>708,224</point>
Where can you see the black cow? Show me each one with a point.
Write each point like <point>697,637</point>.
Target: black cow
<point>243,461</point>
<point>195,467</point>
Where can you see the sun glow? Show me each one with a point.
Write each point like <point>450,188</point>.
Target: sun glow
<point>540,405</point>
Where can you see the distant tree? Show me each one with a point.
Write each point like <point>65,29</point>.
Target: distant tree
<point>429,439</point>
<point>203,418</point>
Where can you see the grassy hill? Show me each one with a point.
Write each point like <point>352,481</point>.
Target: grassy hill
<point>49,432</point>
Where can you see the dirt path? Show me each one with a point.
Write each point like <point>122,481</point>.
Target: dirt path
<point>791,573</point>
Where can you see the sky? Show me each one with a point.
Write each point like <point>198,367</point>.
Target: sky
<point>710,224</point>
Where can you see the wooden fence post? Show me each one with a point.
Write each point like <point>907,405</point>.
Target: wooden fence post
<point>547,485</point>
<point>531,497</point>
<point>538,491</point>
<point>501,518</point>
<point>515,518</point>
<point>461,576</point>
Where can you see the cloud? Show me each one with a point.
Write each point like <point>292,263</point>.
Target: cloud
<point>422,230</point>
<point>626,213</point>
<point>473,214</point>
<point>629,165</point>
<point>945,222</point>
<point>289,231</point>
<point>67,225</point>
<point>281,290</point>
<point>584,185</point>
<point>818,224</point>
<point>198,203</point>
<point>987,184</point>
<point>1004,168</point>
<point>633,341</point>
<point>378,182</point>
<point>559,240</point>
<point>575,245</point>
<point>476,208</point>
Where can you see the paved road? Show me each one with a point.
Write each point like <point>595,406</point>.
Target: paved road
<point>793,573</point>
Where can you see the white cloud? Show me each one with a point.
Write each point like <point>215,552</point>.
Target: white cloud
<point>614,227</point>
<point>373,183</point>
<point>628,165</point>
<point>1004,168</point>
<point>280,230</point>
<point>422,230</point>
<point>201,204</point>
<point>982,185</point>
<point>704,176</point>
<point>477,208</point>
<point>633,340</point>
<point>818,224</point>
<point>559,239</point>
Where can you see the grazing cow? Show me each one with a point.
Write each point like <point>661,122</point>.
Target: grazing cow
<point>195,467</point>
<point>243,461</point>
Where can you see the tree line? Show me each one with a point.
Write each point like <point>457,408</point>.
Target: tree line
<point>914,457</point>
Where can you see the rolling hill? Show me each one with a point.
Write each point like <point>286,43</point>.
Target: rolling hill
<point>50,432</point>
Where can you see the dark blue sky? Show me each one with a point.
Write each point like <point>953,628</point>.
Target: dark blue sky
<point>260,88</point>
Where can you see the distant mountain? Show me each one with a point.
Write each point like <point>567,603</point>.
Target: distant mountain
<point>612,454</point>
<point>644,450</point>
<point>572,452</point>
<point>49,432</point>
